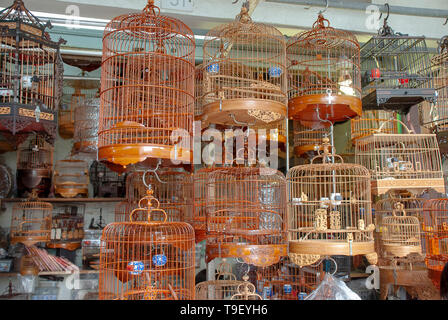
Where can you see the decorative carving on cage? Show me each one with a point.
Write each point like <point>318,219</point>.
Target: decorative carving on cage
<point>67,227</point>
<point>329,209</point>
<point>246,215</point>
<point>370,121</point>
<point>223,287</point>
<point>435,237</point>
<point>287,281</point>
<point>395,71</point>
<point>85,137</point>
<point>324,74</point>
<point>71,178</point>
<point>147,89</point>
<point>31,221</point>
<point>31,72</point>
<point>407,161</point>
<point>307,140</point>
<point>105,182</point>
<point>244,74</point>
<point>34,166</point>
<point>147,260</point>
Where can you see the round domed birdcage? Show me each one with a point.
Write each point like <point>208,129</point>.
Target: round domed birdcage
<point>246,215</point>
<point>71,178</point>
<point>147,260</point>
<point>86,118</point>
<point>244,74</point>
<point>147,89</point>
<point>324,74</point>
<point>307,140</point>
<point>31,221</point>
<point>370,121</point>
<point>329,209</point>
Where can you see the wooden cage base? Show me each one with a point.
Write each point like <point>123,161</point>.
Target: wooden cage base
<point>64,245</point>
<point>29,240</point>
<point>382,186</point>
<point>219,112</point>
<point>85,145</point>
<point>398,250</point>
<point>331,248</point>
<point>67,192</point>
<point>67,130</point>
<point>258,255</point>
<point>342,108</point>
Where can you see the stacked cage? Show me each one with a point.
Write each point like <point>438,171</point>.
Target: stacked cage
<point>85,137</point>
<point>71,178</point>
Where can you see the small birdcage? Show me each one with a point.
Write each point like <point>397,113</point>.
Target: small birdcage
<point>67,227</point>
<point>307,140</point>
<point>246,215</point>
<point>413,207</point>
<point>147,260</point>
<point>85,136</point>
<point>31,72</point>
<point>370,121</point>
<point>287,281</point>
<point>34,166</point>
<point>324,74</point>
<point>106,183</point>
<point>147,89</point>
<point>400,234</point>
<point>31,221</point>
<point>71,178</point>
<point>246,291</point>
<point>223,287</point>
<point>244,73</point>
<point>396,71</point>
<point>407,161</point>
<point>435,237</point>
<point>329,209</point>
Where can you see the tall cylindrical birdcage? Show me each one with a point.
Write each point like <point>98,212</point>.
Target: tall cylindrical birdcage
<point>329,209</point>
<point>71,178</point>
<point>147,260</point>
<point>246,215</point>
<point>244,74</point>
<point>307,140</point>
<point>370,121</point>
<point>85,138</point>
<point>147,89</point>
<point>324,74</point>
<point>31,221</point>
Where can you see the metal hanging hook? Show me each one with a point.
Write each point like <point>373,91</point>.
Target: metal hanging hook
<point>154,171</point>
<point>446,21</point>
<point>326,7</point>
<point>388,11</point>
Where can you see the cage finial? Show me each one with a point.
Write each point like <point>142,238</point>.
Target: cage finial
<point>244,16</point>
<point>150,207</point>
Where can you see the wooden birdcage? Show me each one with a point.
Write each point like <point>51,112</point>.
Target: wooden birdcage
<point>246,215</point>
<point>106,183</point>
<point>147,260</point>
<point>324,74</point>
<point>307,140</point>
<point>85,138</point>
<point>31,221</point>
<point>407,161</point>
<point>67,227</point>
<point>396,71</point>
<point>370,121</point>
<point>244,73</point>
<point>31,72</point>
<point>435,237</point>
<point>147,88</point>
<point>34,166</point>
<point>223,287</point>
<point>329,210</point>
<point>400,234</point>
<point>286,280</point>
<point>71,178</point>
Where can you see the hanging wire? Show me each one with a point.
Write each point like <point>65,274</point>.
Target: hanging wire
<point>327,258</point>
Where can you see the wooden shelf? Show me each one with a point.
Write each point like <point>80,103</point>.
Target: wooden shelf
<point>67,199</point>
<point>50,273</point>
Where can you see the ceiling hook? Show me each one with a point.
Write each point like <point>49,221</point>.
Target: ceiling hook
<point>446,21</point>
<point>155,174</point>
<point>326,7</point>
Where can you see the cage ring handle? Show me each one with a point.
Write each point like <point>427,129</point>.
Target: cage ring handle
<point>399,207</point>
<point>396,120</point>
<point>151,8</point>
<point>149,211</point>
<point>323,155</point>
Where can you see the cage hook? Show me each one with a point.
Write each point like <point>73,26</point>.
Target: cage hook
<point>154,171</point>
<point>388,10</point>
<point>446,21</point>
<point>326,7</point>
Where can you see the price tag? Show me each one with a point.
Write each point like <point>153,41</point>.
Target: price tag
<point>180,5</point>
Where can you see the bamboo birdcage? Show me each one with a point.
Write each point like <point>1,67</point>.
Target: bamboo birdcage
<point>223,287</point>
<point>307,140</point>
<point>435,237</point>
<point>244,73</point>
<point>85,136</point>
<point>329,209</point>
<point>370,121</point>
<point>71,178</point>
<point>31,221</point>
<point>400,234</point>
<point>147,89</point>
<point>31,72</point>
<point>147,260</point>
<point>407,161</point>
<point>286,280</point>
<point>324,74</point>
<point>246,215</point>
<point>34,166</point>
<point>67,230</point>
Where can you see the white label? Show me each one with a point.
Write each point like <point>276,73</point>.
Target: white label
<point>58,234</point>
<point>180,5</point>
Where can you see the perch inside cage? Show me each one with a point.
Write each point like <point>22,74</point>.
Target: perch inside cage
<point>147,89</point>
<point>246,215</point>
<point>329,209</point>
<point>31,221</point>
<point>324,74</point>
<point>67,227</point>
<point>307,140</point>
<point>147,260</point>
<point>407,161</point>
<point>370,121</point>
<point>86,117</point>
<point>243,74</point>
<point>71,178</point>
